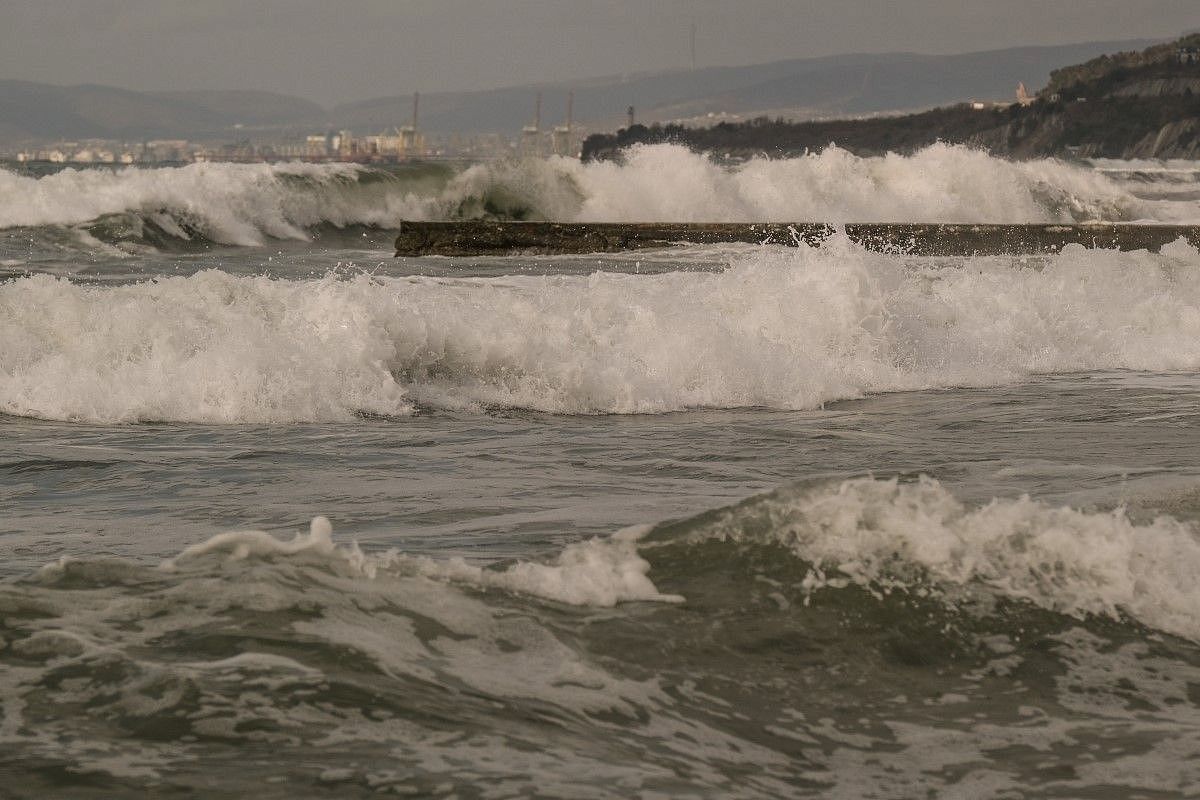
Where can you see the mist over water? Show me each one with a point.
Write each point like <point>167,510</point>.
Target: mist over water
<point>285,515</point>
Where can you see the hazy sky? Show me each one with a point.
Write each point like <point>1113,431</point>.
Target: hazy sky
<point>334,50</point>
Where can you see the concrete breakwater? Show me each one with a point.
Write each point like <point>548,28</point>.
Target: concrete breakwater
<point>480,238</point>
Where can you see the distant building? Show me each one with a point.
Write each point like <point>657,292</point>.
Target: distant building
<point>411,142</point>
<point>166,150</point>
<point>317,146</point>
<point>1188,55</point>
<point>1024,98</point>
<point>345,145</point>
<point>397,144</point>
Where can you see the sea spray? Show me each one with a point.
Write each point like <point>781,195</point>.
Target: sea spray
<point>887,535</point>
<point>780,328</point>
<point>251,204</point>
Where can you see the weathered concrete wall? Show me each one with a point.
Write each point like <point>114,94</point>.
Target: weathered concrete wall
<point>478,238</point>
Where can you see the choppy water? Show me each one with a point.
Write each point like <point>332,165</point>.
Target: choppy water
<point>283,515</point>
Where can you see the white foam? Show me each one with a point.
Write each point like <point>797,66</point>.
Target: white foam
<point>940,183</point>
<point>597,572</point>
<point>239,545</point>
<point>211,348</point>
<point>237,204</point>
<point>882,533</point>
<point>781,328</point>
<point>243,204</point>
<point>1177,166</point>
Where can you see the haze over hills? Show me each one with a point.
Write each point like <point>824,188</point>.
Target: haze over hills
<point>41,111</point>
<point>857,84</point>
<point>801,88</point>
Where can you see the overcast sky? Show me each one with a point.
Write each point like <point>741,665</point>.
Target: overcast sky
<point>340,50</point>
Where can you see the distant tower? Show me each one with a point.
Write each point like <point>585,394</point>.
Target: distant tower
<point>1023,96</point>
<point>629,112</point>
<point>411,143</point>
<point>562,134</point>
<point>531,135</point>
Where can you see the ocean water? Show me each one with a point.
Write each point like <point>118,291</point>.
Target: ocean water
<point>282,515</point>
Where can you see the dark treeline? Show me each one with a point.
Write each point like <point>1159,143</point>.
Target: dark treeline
<point>763,136</point>
<point>1137,105</point>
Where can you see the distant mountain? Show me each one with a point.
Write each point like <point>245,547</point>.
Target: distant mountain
<point>857,84</point>
<point>1129,105</point>
<point>43,111</point>
<point>250,108</point>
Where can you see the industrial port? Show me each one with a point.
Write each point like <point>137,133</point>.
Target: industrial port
<point>398,144</point>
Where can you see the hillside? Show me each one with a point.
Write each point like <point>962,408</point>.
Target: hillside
<point>799,88</point>
<point>42,111</point>
<point>250,108</point>
<point>1141,104</point>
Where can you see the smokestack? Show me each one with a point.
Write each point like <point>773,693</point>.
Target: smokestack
<point>570,108</point>
<point>416,106</point>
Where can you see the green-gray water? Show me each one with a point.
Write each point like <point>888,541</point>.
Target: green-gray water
<point>711,522</point>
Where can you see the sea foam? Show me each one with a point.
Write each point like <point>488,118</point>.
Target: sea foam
<point>596,572</point>
<point>887,535</point>
<point>249,204</point>
<point>883,535</point>
<point>237,204</point>
<point>780,328</point>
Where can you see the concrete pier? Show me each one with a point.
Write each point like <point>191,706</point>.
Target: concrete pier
<point>482,238</point>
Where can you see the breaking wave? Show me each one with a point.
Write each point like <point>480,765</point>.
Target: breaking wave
<point>882,535</point>
<point>888,535</point>
<point>781,328</point>
<point>240,204</point>
<point>811,643</point>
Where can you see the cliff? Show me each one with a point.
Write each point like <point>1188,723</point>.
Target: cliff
<point>1128,105</point>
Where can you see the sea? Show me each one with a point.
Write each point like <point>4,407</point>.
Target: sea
<point>282,516</point>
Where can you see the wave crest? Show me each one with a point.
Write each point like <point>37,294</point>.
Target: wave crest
<point>886,535</point>
<point>249,204</point>
<point>882,535</point>
<point>781,328</point>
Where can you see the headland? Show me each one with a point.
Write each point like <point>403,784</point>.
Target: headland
<point>1129,105</point>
